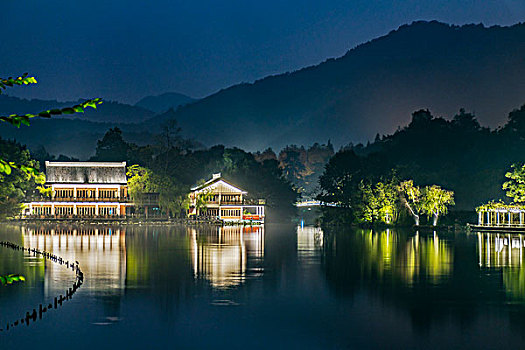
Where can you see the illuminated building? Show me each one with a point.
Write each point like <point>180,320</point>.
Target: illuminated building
<point>219,199</point>
<point>83,189</point>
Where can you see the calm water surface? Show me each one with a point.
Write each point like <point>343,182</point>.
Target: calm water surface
<point>266,287</point>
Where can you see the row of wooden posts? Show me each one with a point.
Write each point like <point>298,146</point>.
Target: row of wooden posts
<point>58,300</point>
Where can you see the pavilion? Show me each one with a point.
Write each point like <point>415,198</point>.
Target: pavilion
<point>217,198</point>
<point>500,215</point>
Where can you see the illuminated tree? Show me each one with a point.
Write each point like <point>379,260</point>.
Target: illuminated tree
<point>201,200</point>
<point>139,182</point>
<point>515,187</point>
<point>411,198</point>
<point>378,202</point>
<point>172,196</point>
<point>436,201</point>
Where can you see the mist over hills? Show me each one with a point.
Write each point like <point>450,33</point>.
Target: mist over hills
<point>108,112</point>
<point>73,135</point>
<point>372,89</point>
<point>163,102</point>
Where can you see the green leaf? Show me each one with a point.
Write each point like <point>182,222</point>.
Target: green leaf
<point>45,114</point>
<point>9,279</point>
<point>25,120</point>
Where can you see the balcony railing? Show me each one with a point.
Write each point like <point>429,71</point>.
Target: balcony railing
<point>245,201</point>
<point>231,202</point>
<point>69,199</point>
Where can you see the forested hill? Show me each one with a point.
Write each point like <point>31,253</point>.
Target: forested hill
<point>77,134</point>
<point>108,112</point>
<point>458,154</point>
<point>371,89</point>
<point>163,102</point>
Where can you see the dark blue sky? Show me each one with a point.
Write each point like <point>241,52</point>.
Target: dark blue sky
<point>124,50</point>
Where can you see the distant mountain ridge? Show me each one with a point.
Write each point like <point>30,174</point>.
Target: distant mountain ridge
<point>107,112</point>
<point>372,89</point>
<point>163,102</point>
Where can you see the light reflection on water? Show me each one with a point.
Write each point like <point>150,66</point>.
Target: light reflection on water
<point>220,254</point>
<point>504,251</point>
<point>410,258</point>
<point>300,286</point>
<point>101,252</point>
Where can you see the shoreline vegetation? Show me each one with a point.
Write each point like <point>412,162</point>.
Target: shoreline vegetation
<point>459,156</point>
<point>428,169</point>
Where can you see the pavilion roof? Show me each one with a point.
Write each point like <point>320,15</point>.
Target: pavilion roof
<point>501,207</point>
<point>217,183</point>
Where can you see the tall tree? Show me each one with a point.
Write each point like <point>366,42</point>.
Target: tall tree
<point>411,198</point>
<point>112,147</point>
<point>515,187</point>
<point>378,201</point>
<point>436,202</point>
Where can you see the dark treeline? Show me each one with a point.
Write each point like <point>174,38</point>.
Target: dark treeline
<point>301,166</point>
<point>174,166</point>
<point>457,154</point>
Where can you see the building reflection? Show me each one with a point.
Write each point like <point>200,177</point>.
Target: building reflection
<point>223,256</point>
<point>504,251</point>
<point>500,250</point>
<point>227,256</point>
<point>100,251</point>
<point>309,242</point>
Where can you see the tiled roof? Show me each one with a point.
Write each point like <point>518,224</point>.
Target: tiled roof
<point>86,172</point>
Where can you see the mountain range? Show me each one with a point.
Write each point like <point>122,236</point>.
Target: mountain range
<point>76,135</point>
<point>163,102</point>
<point>371,89</point>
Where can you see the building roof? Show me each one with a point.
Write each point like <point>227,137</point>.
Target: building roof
<point>217,183</point>
<point>86,172</point>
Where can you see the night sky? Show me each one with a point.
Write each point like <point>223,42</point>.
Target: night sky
<point>124,50</point>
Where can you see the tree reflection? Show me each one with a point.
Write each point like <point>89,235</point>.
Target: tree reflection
<point>395,258</point>
<point>421,273</point>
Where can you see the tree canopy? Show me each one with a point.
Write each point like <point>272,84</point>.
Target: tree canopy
<point>515,186</point>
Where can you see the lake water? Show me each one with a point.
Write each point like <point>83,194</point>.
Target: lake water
<point>277,286</point>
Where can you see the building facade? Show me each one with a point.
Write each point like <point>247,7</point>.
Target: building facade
<point>83,189</point>
<point>220,199</point>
